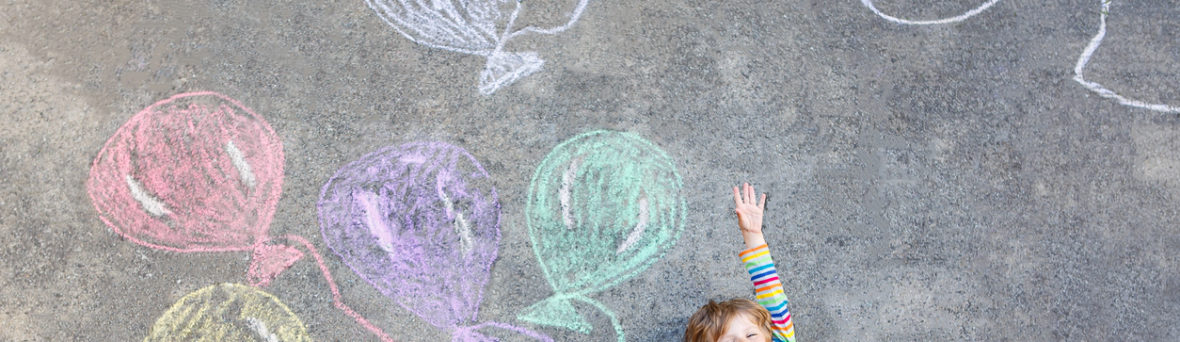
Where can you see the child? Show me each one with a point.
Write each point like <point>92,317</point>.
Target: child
<point>738,320</point>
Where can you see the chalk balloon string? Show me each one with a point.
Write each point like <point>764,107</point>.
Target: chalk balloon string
<point>577,13</point>
<point>337,298</point>
<point>1097,88</point>
<point>614,319</point>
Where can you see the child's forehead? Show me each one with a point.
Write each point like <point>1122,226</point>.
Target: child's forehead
<point>743,315</point>
<point>742,321</point>
<point>740,324</point>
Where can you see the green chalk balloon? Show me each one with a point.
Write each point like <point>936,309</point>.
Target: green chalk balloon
<point>602,207</point>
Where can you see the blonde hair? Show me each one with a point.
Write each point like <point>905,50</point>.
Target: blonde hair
<point>708,323</point>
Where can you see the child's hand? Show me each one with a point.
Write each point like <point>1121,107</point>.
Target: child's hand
<point>749,215</point>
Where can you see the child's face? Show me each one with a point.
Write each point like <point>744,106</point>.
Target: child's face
<point>741,328</point>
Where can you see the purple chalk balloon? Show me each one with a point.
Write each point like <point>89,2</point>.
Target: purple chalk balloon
<point>421,223</point>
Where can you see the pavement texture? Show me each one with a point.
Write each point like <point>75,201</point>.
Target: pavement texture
<point>940,182</point>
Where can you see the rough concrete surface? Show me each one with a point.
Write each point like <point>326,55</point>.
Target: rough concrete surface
<point>943,182</point>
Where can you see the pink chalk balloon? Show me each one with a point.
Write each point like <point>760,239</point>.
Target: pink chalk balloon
<point>197,172</point>
<point>200,172</point>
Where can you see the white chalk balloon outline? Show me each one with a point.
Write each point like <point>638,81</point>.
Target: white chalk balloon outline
<point>961,17</point>
<point>1098,88</point>
<point>470,27</point>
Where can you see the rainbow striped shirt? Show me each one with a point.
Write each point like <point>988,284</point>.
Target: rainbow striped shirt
<point>768,291</point>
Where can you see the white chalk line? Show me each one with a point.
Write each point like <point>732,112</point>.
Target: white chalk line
<point>505,68</point>
<point>260,329</point>
<point>442,25</point>
<point>377,224</point>
<point>637,232</point>
<point>417,26</point>
<point>412,159</point>
<point>239,161</point>
<point>461,226</point>
<point>1097,88</point>
<point>574,16</point>
<point>150,203</point>
<point>961,17</point>
<point>567,182</point>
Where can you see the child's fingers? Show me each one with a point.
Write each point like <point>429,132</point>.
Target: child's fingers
<point>737,201</point>
<point>749,194</point>
<point>762,204</point>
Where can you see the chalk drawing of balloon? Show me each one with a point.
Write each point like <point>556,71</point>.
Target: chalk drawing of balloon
<point>957,18</point>
<point>602,207</point>
<point>421,223</point>
<point>1098,88</point>
<point>197,172</point>
<point>200,172</point>
<point>477,27</point>
<point>228,312</point>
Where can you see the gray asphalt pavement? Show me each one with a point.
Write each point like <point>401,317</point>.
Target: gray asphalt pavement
<point>927,182</point>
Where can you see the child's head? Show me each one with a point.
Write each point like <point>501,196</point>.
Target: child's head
<point>733,320</point>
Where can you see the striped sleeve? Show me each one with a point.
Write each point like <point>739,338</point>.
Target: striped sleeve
<point>768,291</point>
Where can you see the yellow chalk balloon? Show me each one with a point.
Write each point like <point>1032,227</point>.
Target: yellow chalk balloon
<point>228,312</point>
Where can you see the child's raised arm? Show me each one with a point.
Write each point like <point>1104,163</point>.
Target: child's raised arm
<point>768,290</point>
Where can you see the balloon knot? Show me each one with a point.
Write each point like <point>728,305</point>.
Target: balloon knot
<point>468,334</point>
<point>503,68</point>
<point>270,260</point>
